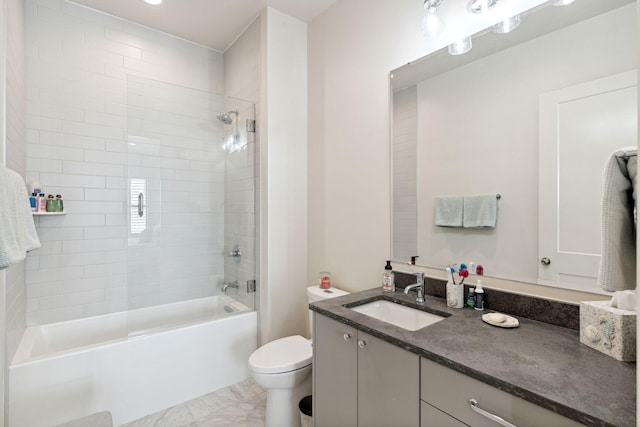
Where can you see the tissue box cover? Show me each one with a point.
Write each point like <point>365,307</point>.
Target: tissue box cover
<point>609,330</point>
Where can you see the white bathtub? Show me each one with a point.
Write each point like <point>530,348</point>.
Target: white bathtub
<point>63,371</point>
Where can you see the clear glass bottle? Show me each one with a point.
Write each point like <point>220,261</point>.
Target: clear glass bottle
<point>388,279</point>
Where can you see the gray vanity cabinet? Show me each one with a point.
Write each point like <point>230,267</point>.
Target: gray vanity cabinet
<point>360,380</point>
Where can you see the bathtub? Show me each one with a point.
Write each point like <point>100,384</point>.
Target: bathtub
<point>130,363</point>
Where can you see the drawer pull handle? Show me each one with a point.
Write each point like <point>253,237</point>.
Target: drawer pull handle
<point>347,336</point>
<point>474,405</point>
<point>362,343</point>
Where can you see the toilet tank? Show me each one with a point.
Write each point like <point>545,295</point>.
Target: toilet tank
<point>315,293</point>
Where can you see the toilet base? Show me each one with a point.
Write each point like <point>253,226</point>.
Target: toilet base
<point>282,404</point>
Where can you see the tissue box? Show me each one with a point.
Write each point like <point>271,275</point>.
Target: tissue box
<point>609,330</point>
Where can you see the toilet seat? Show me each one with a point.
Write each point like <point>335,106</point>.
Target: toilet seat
<point>282,355</point>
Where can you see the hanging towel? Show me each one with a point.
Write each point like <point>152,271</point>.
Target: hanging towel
<point>449,211</point>
<point>480,211</point>
<point>618,260</point>
<point>17,230</point>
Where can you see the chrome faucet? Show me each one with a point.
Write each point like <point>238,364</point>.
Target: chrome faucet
<point>419,285</point>
<point>227,285</point>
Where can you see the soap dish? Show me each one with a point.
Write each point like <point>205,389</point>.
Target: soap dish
<point>500,320</point>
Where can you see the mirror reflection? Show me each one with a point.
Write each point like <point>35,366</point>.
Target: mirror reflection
<point>534,116</point>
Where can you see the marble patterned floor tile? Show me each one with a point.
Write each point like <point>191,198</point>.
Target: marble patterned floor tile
<point>239,405</point>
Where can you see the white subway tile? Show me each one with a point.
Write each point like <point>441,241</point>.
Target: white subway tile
<point>105,232</point>
<point>86,129</point>
<point>70,299</point>
<point>95,207</point>
<point>54,274</point>
<point>41,317</point>
<point>44,165</point>
<point>96,245</point>
<point>51,152</point>
<point>68,180</point>
<point>105,157</point>
<point>79,259</point>
<point>87,168</point>
<point>69,140</point>
<point>73,219</point>
<point>117,183</point>
<point>64,233</point>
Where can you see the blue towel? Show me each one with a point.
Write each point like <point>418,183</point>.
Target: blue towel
<point>480,211</point>
<point>449,211</point>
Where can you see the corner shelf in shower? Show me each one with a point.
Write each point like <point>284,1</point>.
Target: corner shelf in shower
<point>48,213</point>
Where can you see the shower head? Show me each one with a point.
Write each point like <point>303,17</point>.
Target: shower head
<point>226,117</point>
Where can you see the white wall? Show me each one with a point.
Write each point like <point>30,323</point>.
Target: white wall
<point>283,136</point>
<point>352,48</point>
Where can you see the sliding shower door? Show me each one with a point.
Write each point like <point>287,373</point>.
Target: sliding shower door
<point>191,195</point>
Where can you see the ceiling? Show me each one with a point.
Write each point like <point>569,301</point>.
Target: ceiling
<point>212,23</point>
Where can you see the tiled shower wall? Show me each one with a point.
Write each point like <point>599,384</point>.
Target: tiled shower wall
<point>405,137</point>
<point>16,160</point>
<point>78,65</point>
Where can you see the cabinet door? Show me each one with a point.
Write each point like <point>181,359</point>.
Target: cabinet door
<point>433,417</point>
<point>388,384</point>
<point>334,373</point>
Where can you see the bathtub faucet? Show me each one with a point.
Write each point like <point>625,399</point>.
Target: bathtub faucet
<point>227,285</point>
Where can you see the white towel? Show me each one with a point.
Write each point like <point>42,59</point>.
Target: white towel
<point>449,211</point>
<point>17,230</point>
<point>618,260</point>
<point>480,211</point>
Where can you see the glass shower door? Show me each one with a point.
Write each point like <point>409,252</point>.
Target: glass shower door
<point>180,171</point>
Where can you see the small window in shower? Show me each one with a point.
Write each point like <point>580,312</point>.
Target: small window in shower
<point>137,211</point>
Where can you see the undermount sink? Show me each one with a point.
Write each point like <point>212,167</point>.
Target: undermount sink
<point>402,316</point>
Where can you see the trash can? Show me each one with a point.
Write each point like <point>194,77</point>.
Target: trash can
<point>306,415</point>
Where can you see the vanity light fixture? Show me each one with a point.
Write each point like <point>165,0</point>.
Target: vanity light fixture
<point>153,2</point>
<point>507,25</point>
<point>460,46</point>
<point>431,23</point>
<point>563,2</point>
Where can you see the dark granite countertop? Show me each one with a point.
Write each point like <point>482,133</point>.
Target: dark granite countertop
<point>541,363</point>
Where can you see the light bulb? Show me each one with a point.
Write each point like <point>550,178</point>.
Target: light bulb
<point>507,25</point>
<point>460,46</point>
<point>153,2</point>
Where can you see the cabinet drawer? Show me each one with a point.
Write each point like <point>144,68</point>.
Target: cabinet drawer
<point>450,391</point>
<point>433,417</point>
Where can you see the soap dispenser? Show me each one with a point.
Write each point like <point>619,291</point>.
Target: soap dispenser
<point>388,279</point>
<point>479,296</point>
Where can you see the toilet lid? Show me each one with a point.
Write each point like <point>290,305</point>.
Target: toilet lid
<point>282,355</point>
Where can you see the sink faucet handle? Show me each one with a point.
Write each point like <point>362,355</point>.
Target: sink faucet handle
<point>420,276</point>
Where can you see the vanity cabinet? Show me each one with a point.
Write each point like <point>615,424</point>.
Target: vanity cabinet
<point>360,380</point>
<point>446,395</point>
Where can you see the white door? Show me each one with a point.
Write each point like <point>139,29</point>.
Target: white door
<point>580,127</point>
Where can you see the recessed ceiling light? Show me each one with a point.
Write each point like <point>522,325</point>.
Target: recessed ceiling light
<point>153,2</point>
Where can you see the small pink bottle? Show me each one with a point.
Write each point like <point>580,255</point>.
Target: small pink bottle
<point>42,203</point>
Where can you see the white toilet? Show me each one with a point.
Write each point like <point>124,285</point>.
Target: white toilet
<point>283,367</point>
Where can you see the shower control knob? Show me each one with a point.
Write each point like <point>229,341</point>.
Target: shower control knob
<point>362,343</point>
<point>545,261</point>
<point>347,336</point>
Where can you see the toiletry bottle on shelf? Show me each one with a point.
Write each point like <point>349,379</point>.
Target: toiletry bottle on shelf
<point>479,296</point>
<point>59,205</point>
<point>388,278</point>
<point>471,298</point>
<point>51,203</point>
<point>42,203</point>
<point>33,201</point>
